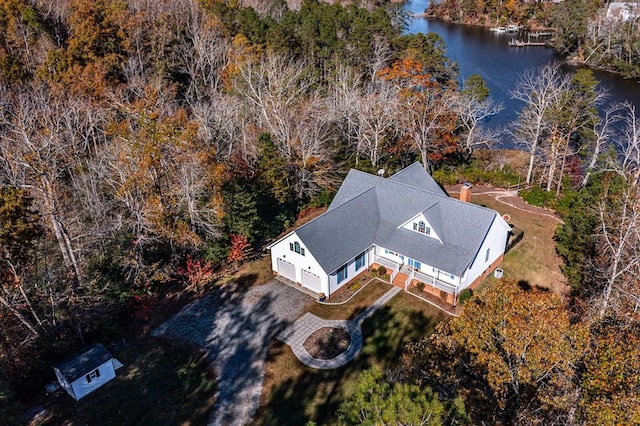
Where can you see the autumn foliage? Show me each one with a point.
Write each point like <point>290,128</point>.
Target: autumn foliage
<point>239,248</point>
<point>196,273</point>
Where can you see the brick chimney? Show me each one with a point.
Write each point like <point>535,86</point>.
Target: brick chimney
<point>465,193</point>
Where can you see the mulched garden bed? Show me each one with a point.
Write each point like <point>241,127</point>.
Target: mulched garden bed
<point>349,290</point>
<point>327,342</point>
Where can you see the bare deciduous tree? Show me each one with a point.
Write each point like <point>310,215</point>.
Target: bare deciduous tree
<point>472,112</point>
<point>375,121</point>
<point>539,90</point>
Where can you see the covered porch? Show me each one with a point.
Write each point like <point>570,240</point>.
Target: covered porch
<point>405,276</point>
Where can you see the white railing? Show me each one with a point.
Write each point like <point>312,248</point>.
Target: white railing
<point>384,261</point>
<point>433,282</point>
<point>394,273</point>
<point>409,279</point>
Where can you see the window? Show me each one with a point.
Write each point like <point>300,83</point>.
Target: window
<point>342,274</point>
<point>452,276</point>
<point>93,375</point>
<point>421,227</point>
<point>359,261</point>
<point>486,256</point>
<point>296,247</point>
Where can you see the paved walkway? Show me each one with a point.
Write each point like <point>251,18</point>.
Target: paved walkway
<point>233,325</point>
<point>296,334</point>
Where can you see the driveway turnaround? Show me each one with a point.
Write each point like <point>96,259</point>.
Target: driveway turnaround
<point>234,325</point>
<point>296,334</point>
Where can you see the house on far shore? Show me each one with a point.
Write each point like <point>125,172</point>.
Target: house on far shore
<point>85,372</point>
<point>406,223</point>
<point>623,11</point>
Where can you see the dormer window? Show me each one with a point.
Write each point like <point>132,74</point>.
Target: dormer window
<point>421,227</point>
<point>296,247</point>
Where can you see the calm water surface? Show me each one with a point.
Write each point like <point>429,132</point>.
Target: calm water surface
<point>480,51</point>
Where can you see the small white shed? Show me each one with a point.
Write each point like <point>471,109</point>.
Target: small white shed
<point>85,372</point>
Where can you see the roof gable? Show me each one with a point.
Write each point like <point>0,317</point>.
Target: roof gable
<point>433,225</point>
<point>415,175</point>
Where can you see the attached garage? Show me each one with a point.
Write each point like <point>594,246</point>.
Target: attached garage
<point>311,281</point>
<point>287,270</point>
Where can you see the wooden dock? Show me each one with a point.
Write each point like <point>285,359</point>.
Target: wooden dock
<point>522,43</point>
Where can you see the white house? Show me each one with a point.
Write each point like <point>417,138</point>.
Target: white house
<point>405,223</point>
<point>87,371</point>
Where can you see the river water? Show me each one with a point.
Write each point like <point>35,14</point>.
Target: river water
<point>480,51</point>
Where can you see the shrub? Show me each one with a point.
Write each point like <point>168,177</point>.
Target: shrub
<point>464,295</point>
<point>374,273</point>
<point>382,270</point>
<point>445,177</point>
<point>420,286</point>
<point>539,197</point>
<point>476,173</point>
<point>354,287</point>
<point>385,277</point>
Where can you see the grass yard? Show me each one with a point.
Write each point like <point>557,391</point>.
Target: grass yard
<point>294,394</point>
<point>533,260</point>
<point>161,383</point>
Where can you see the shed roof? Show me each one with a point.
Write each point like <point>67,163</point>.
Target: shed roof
<point>84,362</point>
<point>371,210</point>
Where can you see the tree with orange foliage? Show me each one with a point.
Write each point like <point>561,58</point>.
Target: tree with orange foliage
<point>239,248</point>
<point>161,174</point>
<point>512,354</point>
<point>428,117</point>
<point>96,49</point>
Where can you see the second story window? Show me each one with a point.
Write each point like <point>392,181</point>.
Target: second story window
<point>296,247</point>
<point>421,227</point>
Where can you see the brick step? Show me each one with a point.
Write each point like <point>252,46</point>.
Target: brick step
<point>399,280</point>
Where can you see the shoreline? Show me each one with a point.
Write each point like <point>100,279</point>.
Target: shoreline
<point>571,61</point>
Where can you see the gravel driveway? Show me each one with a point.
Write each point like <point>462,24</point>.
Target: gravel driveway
<point>234,325</point>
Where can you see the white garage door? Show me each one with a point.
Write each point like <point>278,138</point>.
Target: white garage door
<point>311,281</point>
<point>286,269</point>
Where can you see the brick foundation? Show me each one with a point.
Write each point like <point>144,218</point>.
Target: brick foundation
<point>486,273</point>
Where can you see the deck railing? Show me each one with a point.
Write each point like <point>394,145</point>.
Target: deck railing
<point>394,273</point>
<point>433,282</point>
<point>409,279</point>
<point>385,262</point>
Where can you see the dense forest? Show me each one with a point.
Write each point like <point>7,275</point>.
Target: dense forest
<point>585,33</point>
<point>145,145</point>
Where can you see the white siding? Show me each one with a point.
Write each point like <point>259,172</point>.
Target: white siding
<point>409,226</point>
<point>351,271</point>
<point>64,383</point>
<point>81,387</point>
<point>281,250</point>
<point>495,242</point>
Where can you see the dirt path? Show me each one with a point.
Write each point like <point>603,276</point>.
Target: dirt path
<point>508,197</point>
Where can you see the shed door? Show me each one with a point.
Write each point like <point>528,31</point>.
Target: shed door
<point>311,281</point>
<point>286,269</point>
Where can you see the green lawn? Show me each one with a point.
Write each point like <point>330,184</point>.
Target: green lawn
<point>295,394</point>
<point>162,383</point>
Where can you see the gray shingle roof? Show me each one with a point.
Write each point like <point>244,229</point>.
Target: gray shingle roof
<point>415,176</point>
<point>343,232</point>
<point>369,210</point>
<point>83,363</point>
